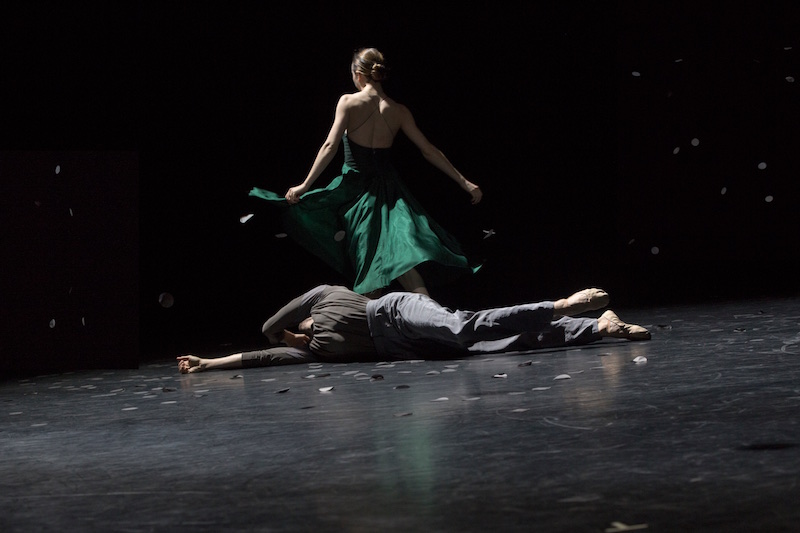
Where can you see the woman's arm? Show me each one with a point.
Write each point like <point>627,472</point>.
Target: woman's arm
<point>435,156</point>
<point>326,152</point>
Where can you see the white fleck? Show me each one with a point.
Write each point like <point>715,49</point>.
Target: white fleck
<point>654,250</point>
<point>540,388</point>
<point>768,198</point>
<point>790,79</point>
<point>762,165</point>
<point>640,359</point>
<point>695,142</point>
<point>129,408</point>
<point>52,323</point>
<point>723,191</point>
<point>500,376</point>
<point>325,389</point>
<point>679,60</point>
<point>245,218</point>
<point>442,399</point>
<point>635,74</point>
<point>339,235</point>
<point>58,169</point>
<point>562,376</point>
<point>676,149</point>
<point>518,410</point>
<point>281,235</point>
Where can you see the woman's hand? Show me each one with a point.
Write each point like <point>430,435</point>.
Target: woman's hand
<point>474,191</point>
<point>293,195</point>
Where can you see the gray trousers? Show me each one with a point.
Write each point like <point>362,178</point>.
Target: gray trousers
<point>410,326</point>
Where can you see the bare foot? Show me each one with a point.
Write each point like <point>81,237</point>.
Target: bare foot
<point>188,364</point>
<point>610,325</point>
<point>581,302</point>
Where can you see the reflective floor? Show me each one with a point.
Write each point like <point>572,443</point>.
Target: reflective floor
<point>703,435</point>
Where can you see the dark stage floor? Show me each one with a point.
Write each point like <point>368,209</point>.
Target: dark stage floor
<point>703,436</point>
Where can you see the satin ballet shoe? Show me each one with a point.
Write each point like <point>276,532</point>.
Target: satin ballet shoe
<point>619,329</point>
<point>585,300</point>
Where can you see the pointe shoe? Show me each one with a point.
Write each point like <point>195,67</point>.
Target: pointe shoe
<point>586,300</point>
<point>619,329</point>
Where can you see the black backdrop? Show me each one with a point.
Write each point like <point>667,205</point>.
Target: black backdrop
<point>577,120</point>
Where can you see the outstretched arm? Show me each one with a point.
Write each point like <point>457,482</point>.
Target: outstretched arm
<point>435,156</point>
<point>326,152</point>
<point>189,364</point>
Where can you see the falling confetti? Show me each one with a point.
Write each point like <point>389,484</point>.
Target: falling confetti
<point>654,250</point>
<point>58,169</point>
<point>695,142</point>
<point>281,235</point>
<point>762,166</point>
<point>635,74</point>
<point>768,198</point>
<point>245,218</point>
<point>488,233</point>
<point>166,300</point>
<point>676,150</point>
<point>339,235</point>
<point>442,399</point>
<point>723,191</point>
<point>790,79</point>
<point>52,323</point>
<point>540,388</point>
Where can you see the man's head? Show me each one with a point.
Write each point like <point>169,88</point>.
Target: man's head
<point>307,327</point>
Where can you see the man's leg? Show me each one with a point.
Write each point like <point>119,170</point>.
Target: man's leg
<point>422,318</point>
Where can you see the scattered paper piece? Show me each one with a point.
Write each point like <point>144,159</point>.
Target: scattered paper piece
<point>640,359</point>
<point>619,526</point>
<point>442,399</point>
<point>325,389</point>
<point>502,376</point>
<point>540,388</point>
<point>562,376</point>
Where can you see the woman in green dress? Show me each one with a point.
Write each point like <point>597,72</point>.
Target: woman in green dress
<point>365,223</point>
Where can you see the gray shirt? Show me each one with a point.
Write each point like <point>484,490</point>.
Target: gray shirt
<point>340,322</point>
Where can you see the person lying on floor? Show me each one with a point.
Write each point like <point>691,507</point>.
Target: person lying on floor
<point>336,325</point>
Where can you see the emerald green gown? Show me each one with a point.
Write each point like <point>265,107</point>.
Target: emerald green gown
<point>368,226</point>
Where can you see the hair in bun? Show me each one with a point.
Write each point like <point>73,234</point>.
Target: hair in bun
<point>370,63</point>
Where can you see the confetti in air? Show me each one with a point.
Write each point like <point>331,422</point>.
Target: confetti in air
<point>166,300</point>
<point>488,233</point>
<point>245,218</point>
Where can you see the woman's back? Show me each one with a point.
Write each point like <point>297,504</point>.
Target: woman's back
<point>373,121</point>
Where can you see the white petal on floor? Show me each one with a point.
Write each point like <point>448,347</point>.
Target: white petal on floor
<point>562,376</point>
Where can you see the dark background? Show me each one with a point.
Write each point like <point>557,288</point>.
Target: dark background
<point>173,112</point>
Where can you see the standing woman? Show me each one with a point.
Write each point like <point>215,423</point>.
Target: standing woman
<point>365,223</point>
